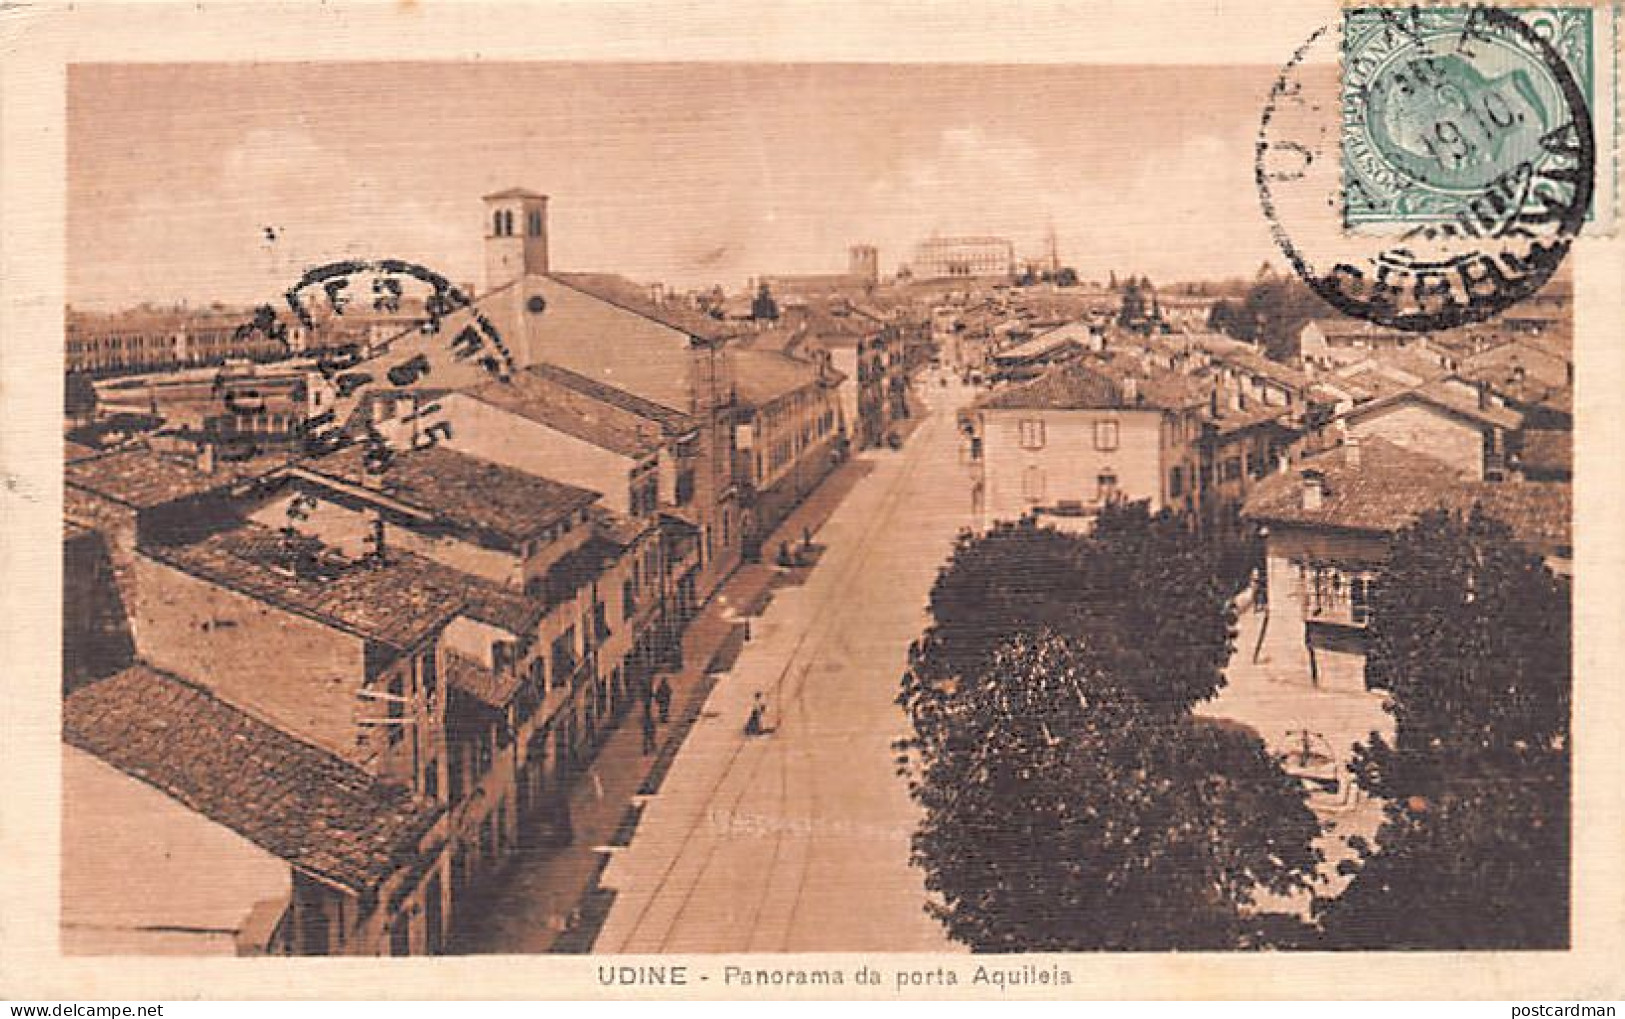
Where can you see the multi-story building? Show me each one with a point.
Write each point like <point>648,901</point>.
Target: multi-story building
<point>339,657</point>
<point>382,668</point>
<point>1329,342</point>
<point>1327,527</point>
<point>612,332</point>
<point>1464,425</point>
<point>1088,433</point>
<point>242,838</point>
<point>791,432</point>
<point>149,339</point>
<point>964,257</point>
<point>559,563</point>
<point>455,631</point>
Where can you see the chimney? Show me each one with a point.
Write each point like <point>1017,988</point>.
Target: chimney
<point>1351,450</point>
<point>1314,489</point>
<point>205,458</point>
<point>1483,396</point>
<point>1131,389</point>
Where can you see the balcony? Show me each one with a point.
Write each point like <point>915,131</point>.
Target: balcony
<point>1336,597</point>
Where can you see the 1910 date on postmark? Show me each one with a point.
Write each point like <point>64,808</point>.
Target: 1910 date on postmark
<point>1447,171</point>
<point>1449,116</point>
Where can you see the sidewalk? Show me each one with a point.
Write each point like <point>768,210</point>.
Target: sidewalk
<point>548,900</point>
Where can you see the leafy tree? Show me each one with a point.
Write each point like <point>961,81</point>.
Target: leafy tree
<point>79,397</point>
<point>763,307</point>
<point>1279,308</point>
<point>1132,310</point>
<point>1229,317</point>
<point>1143,590</point>
<point>1470,635</point>
<point>1064,813</point>
<point>1066,277</point>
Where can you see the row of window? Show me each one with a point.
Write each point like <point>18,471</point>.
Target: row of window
<point>1033,436</point>
<point>554,533</point>
<point>1034,485</point>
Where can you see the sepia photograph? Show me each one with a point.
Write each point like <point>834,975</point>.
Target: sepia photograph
<point>777,510</point>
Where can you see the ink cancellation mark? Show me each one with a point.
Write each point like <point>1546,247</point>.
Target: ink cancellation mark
<point>1467,160</point>
<point>418,301</point>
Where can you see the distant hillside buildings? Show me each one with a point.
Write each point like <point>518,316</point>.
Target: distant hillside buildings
<point>964,258</point>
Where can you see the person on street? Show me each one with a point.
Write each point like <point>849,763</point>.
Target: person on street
<point>663,699</point>
<point>648,731</point>
<point>758,708</point>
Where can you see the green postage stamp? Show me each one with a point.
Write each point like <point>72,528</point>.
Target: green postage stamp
<point>1448,117</point>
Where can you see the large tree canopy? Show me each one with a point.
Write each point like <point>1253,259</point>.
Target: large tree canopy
<point>1470,634</point>
<point>1063,813</point>
<point>1271,314</point>
<point>1144,592</point>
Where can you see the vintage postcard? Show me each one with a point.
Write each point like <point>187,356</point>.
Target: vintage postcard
<point>783,500</point>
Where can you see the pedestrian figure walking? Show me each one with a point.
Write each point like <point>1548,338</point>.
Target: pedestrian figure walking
<point>663,699</point>
<point>648,731</point>
<point>758,708</point>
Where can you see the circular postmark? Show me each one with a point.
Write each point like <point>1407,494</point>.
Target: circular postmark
<point>1443,174</point>
<point>360,327</point>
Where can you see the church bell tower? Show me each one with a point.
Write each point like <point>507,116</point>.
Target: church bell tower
<point>516,236</point>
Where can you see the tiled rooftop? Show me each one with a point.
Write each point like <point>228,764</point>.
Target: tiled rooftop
<point>399,602</point>
<point>622,530</point>
<point>320,813</point>
<point>1441,393</point>
<point>1074,333</point>
<point>464,490</point>
<point>485,600</point>
<point>634,297</point>
<point>567,409</point>
<point>472,678</point>
<point>673,421</point>
<point>763,376</point>
<point>1348,329</point>
<point>1099,383</point>
<point>1391,486</point>
<point>1244,356</point>
<point>143,478</point>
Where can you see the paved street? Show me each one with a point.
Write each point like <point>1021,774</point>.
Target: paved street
<point>799,840</point>
<point>1280,706</point>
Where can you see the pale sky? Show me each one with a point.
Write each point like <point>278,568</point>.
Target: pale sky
<point>689,174</point>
